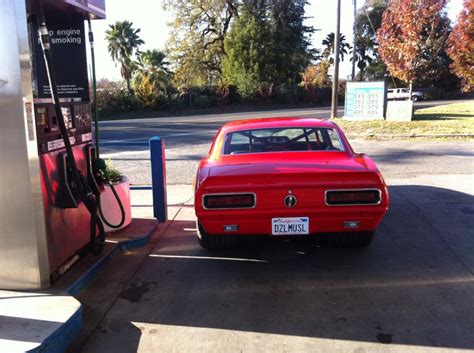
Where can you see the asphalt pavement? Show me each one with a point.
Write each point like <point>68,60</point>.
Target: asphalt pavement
<point>188,138</point>
<point>410,291</point>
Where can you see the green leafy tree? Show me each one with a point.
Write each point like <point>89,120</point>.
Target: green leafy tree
<point>411,36</point>
<point>249,62</point>
<point>329,44</point>
<point>291,40</point>
<point>152,64</point>
<point>267,45</point>
<point>196,44</point>
<point>123,42</point>
<point>461,46</point>
<point>151,77</point>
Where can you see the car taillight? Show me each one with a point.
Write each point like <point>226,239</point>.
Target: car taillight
<point>229,201</point>
<point>353,197</point>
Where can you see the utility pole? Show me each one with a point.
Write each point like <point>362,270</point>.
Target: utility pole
<point>335,78</point>
<point>354,33</point>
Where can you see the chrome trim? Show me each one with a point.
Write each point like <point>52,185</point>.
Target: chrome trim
<point>287,197</point>
<point>348,224</point>
<point>354,204</point>
<point>230,194</point>
<point>24,254</point>
<point>305,151</point>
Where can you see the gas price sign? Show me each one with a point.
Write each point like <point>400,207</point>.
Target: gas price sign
<point>365,100</point>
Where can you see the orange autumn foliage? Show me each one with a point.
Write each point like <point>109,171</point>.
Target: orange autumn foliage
<point>409,36</point>
<point>460,46</point>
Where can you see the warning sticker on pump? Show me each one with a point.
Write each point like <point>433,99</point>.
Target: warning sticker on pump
<point>56,144</point>
<point>86,137</point>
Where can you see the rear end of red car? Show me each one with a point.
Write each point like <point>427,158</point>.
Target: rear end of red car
<point>289,199</point>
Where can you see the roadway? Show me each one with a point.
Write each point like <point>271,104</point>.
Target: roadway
<point>188,138</point>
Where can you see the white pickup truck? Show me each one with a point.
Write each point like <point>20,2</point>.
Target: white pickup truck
<point>403,93</point>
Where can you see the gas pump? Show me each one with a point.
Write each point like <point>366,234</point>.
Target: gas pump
<point>50,97</point>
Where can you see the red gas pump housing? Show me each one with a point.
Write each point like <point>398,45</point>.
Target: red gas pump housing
<point>66,218</point>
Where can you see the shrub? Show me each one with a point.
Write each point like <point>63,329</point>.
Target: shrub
<point>114,174</point>
<point>147,92</point>
<point>113,98</point>
<point>201,101</point>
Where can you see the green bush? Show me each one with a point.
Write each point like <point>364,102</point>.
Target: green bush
<point>114,174</point>
<point>115,99</point>
<point>285,95</point>
<point>201,102</point>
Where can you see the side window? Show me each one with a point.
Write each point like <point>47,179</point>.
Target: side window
<point>236,143</point>
<point>238,139</point>
<point>336,143</point>
<point>311,137</point>
<point>319,136</point>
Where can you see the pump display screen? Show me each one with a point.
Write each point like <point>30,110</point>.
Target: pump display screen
<point>77,117</point>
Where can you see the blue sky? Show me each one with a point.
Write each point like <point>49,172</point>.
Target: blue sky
<point>149,16</point>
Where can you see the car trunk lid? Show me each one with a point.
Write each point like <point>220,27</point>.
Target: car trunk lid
<point>272,182</point>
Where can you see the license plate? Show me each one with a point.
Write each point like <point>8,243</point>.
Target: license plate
<point>290,226</point>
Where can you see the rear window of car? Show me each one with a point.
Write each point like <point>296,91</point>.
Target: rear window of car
<point>282,139</point>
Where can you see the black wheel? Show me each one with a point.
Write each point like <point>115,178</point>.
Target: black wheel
<point>414,98</point>
<point>352,239</point>
<point>209,241</point>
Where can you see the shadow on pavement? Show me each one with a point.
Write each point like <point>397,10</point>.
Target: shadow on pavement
<point>440,116</point>
<point>413,286</point>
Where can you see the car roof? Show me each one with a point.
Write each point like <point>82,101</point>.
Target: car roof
<point>265,123</point>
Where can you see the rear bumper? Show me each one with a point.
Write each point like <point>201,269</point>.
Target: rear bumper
<point>322,221</point>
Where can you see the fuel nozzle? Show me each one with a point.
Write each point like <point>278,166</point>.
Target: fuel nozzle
<point>99,167</point>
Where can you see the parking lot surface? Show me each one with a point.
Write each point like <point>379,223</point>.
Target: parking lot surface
<point>410,291</point>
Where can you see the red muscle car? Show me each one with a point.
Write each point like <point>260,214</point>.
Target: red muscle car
<point>287,177</point>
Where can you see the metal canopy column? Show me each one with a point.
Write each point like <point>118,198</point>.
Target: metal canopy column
<point>23,246</point>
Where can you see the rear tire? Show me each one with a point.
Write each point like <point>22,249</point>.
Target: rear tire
<point>353,239</point>
<point>208,241</point>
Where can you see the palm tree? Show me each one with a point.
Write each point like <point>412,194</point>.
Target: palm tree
<point>368,22</point>
<point>123,42</point>
<point>152,64</point>
<point>328,42</point>
<point>363,56</point>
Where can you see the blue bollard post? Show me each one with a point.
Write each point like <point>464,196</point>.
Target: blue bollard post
<point>158,178</point>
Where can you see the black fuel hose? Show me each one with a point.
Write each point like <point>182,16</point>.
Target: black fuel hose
<point>96,127</point>
<point>120,204</point>
<point>78,184</point>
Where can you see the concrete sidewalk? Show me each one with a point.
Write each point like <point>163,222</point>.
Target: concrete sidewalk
<point>47,321</point>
